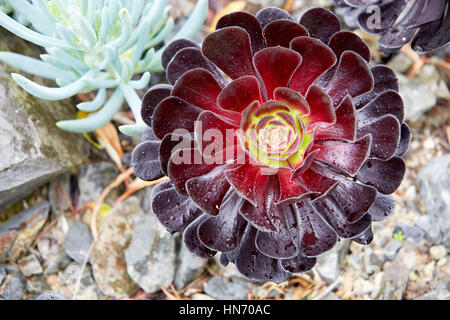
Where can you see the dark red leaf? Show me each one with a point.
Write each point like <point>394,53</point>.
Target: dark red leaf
<point>247,22</point>
<point>276,66</point>
<point>229,49</point>
<point>281,33</point>
<point>320,23</point>
<point>317,58</point>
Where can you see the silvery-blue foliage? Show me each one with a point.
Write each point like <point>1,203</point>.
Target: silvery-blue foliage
<point>4,7</point>
<point>95,45</point>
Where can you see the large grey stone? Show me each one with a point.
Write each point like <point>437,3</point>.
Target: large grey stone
<point>78,241</point>
<point>151,255</point>
<point>434,187</point>
<point>32,149</point>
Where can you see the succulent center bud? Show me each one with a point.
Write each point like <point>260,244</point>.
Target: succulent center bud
<point>272,133</point>
<point>275,137</point>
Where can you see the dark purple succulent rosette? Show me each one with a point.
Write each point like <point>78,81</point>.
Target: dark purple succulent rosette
<point>425,22</point>
<point>314,150</point>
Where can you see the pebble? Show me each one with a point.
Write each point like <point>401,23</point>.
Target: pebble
<point>59,188</point>
<point>408,231</point>
<point>189,267</point>
<point>400,63</point>
<point>78,241</point>
<point>30,265</point>
<point>50,296</point>
<point>18,233</point>
<point>328,264</point>
<point>94,178</point>
<point>362,287</point>
<point>37,285</point>
<point>108,254</point>
<point>416,95</point>
<point>354,261</point>
<point>438,252</point>
<point>428,271</point>
<point>434,187</point>
<point>2,273</point>
<point>391,249</point>
<point>150,257</point>
<point>57,259</point>
<point>13,287</point>
<point>222,289</point>
<point>396,274</point>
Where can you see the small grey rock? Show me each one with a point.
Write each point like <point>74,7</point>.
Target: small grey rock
<point>434,187</point>
<point>431,228</point>
<point>260,292</point>
<point>400,63</point>
<point>440,294</point>
<point>13,287</point>
<point>59,187</point>
<point>222,289</point>
<point>416,96</point>
<point>50,296</point>
<point>354,261</point>
<point>37,285</point>
<point>438,252</point>
<point>396,275</point>
<point>78,241</point>
<point>189,267</point>
<point>328,266</point>
<point>30,265</point>
<point>18,233</point>
<point>373,260</point>
<point>56,260</point>
<point>412,232</point>
<point>70,275</point>
<point>94,178</point>
<point>391,249</point>
<point>2,273</point>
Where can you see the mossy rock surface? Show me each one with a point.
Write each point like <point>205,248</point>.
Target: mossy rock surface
<point>32,149</point>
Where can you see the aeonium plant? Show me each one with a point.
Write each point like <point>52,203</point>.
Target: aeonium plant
<point>397,22</point>
<point>278,138</point>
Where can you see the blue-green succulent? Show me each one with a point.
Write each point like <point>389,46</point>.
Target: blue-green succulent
<point>95,45</point>
<point>4,7</point>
